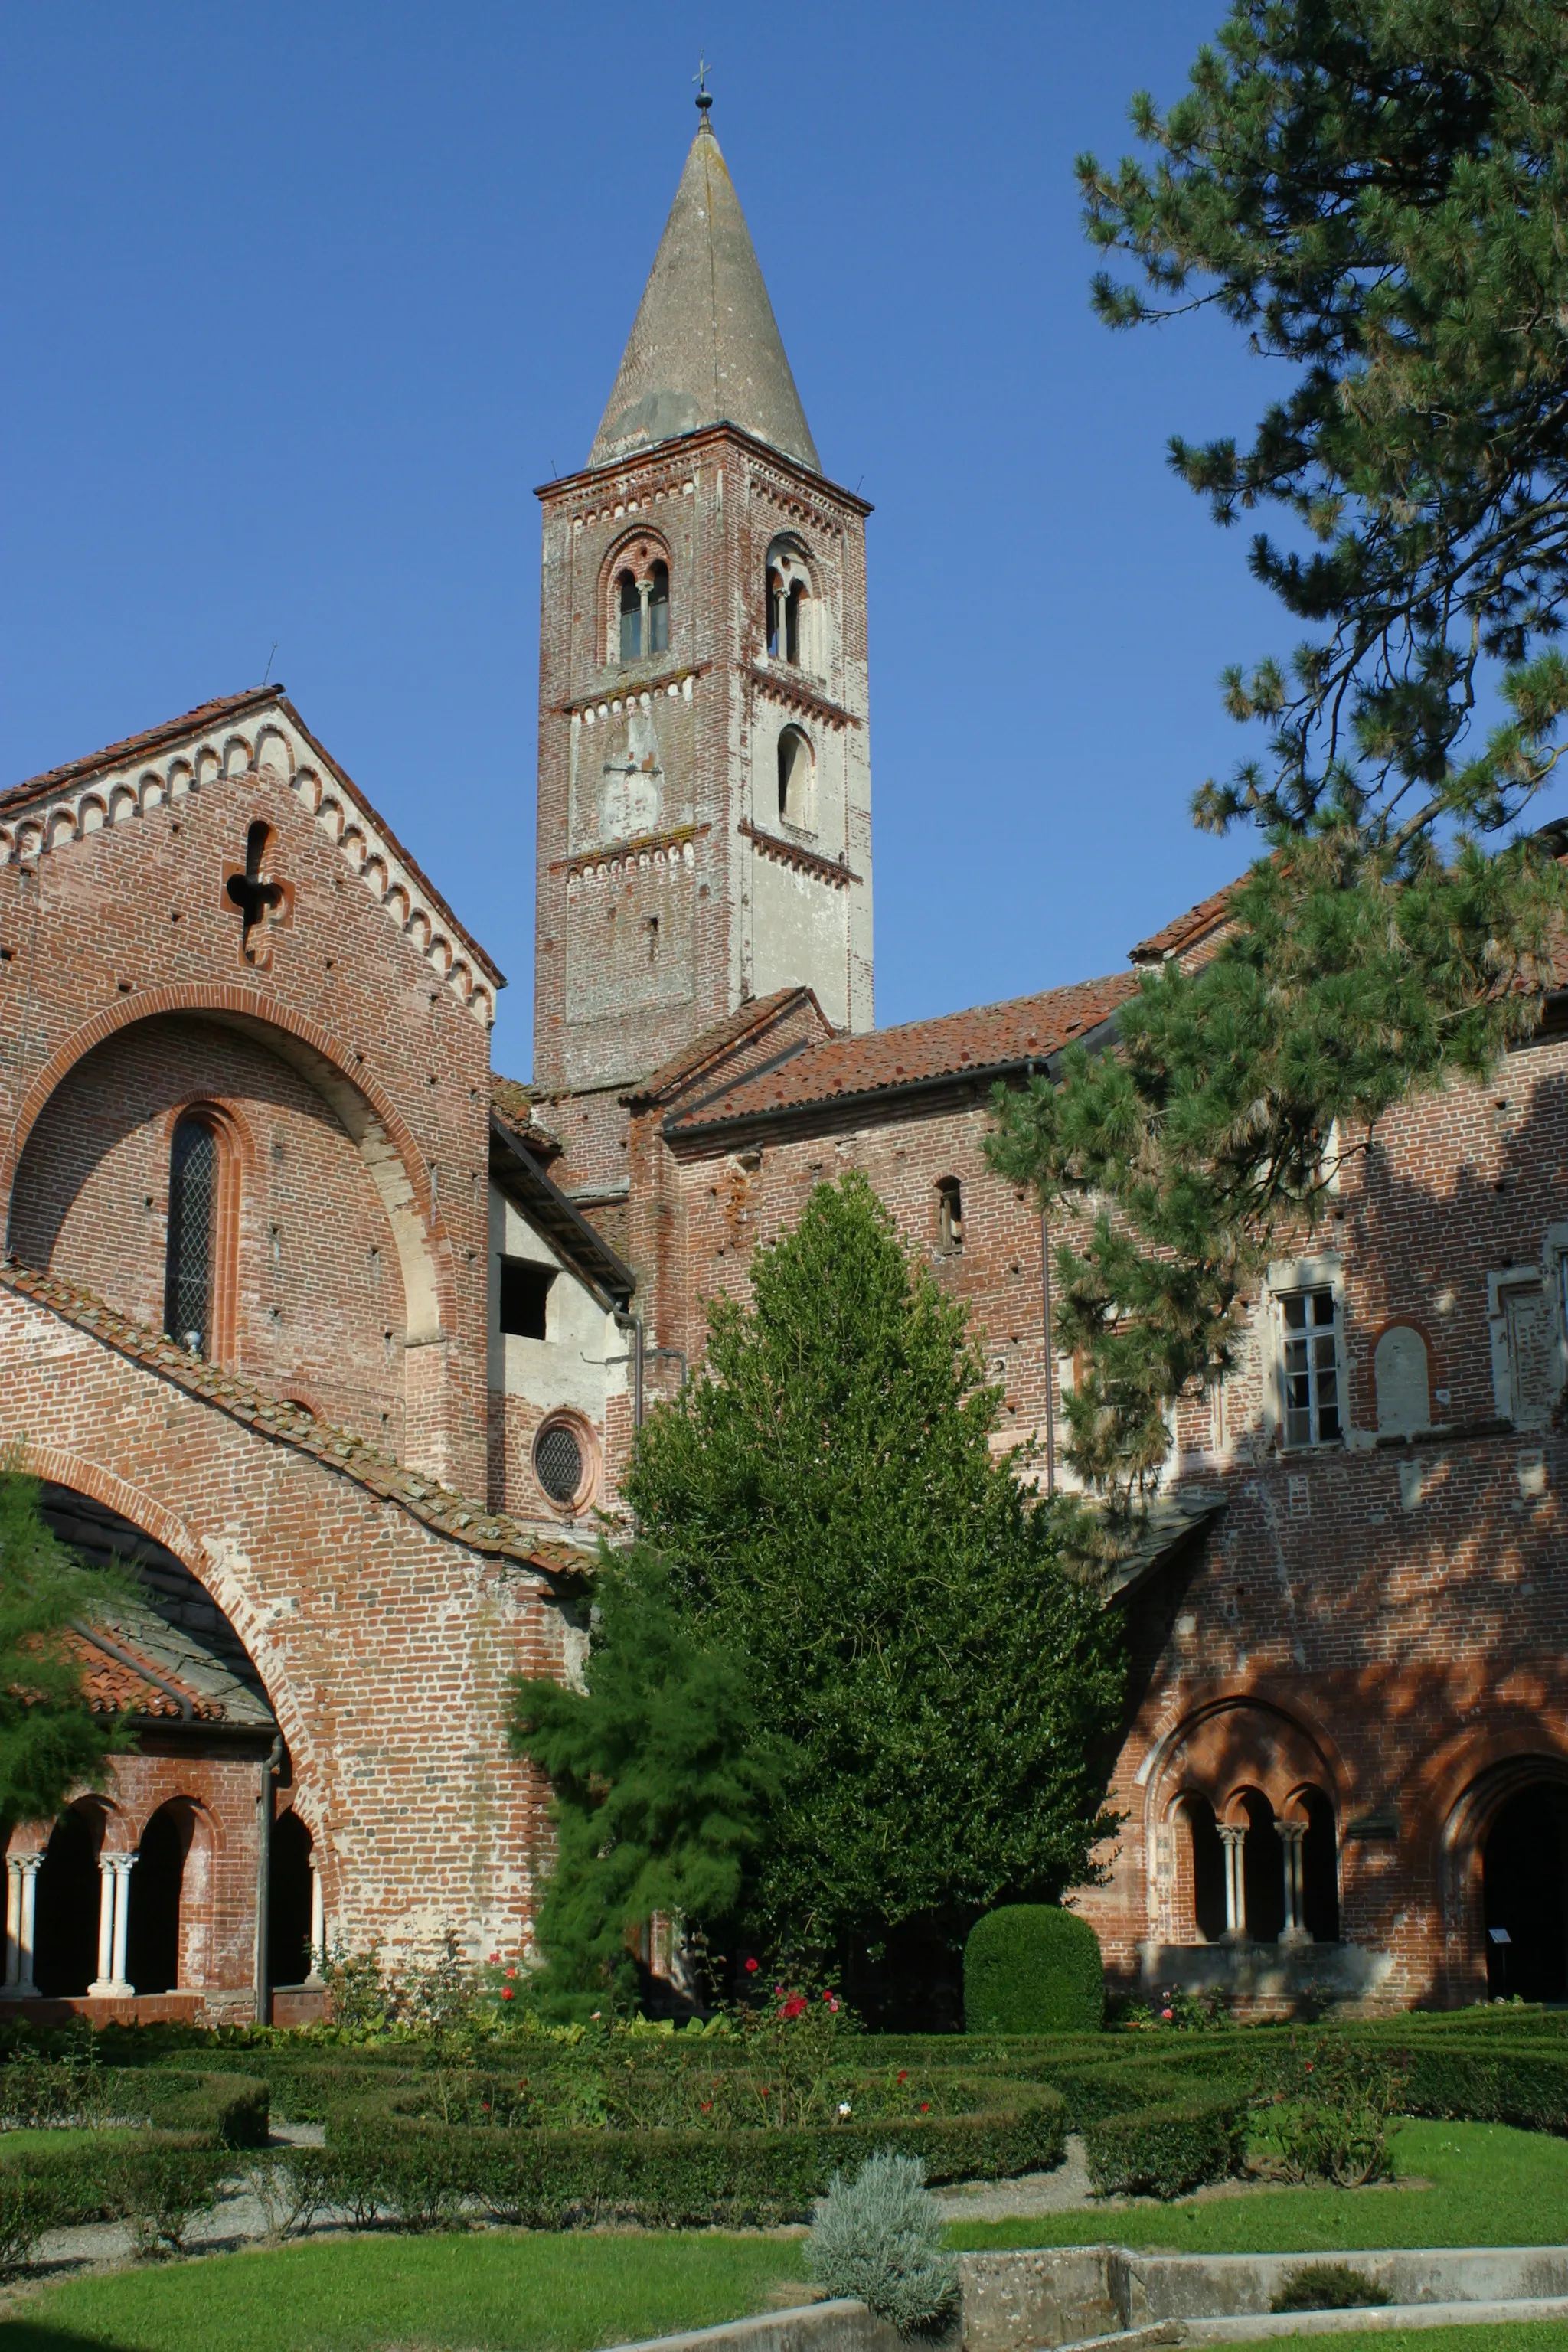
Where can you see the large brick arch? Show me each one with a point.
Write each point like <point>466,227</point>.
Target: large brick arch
<point>56,1467</point>
<point>377,1130</point>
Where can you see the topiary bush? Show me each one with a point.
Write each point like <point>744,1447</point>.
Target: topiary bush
<point>1033,1968</point>
<point>880,2238</point>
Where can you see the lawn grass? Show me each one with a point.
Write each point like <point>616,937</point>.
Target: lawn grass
<point>1513,2336</point>
<point>502,2290</point>
<point>1490,2186</point>
<point>67,2135</point>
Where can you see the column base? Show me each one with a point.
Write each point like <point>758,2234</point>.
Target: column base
<point>111,1989</point>
<point>21,1992</point>
<point>1296,1939</point>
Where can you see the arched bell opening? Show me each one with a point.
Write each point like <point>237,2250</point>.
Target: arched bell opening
<point>65,1953</point>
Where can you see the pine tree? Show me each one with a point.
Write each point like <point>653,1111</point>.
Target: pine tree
<point>833,1511</point>
<point>661,1773</point>
<point>1376,192</point>
<point>51,1744</point>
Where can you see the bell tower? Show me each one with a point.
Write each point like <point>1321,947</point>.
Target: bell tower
<point>704,766</point>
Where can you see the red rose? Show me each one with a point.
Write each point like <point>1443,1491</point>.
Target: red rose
<point>925,2107</point>
<point>765,2090</point>
<point>1309,2065</point>
<point>751,1968</point>
<point>506,1993</point>
<point>904,2075</point>
<point>793,2007</point>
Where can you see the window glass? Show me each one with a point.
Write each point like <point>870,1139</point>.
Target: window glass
<point>658,609</point>
<point>631,619</point>
<point>192,1221</point>
<point>1312,1368</point>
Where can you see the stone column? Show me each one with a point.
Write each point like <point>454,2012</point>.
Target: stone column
<point>114,1888</point>
<point>318,1925</point>
<point>13,1921</point>
<point>1232,1835</point>
<point>123,1863</point>
<point>26,1867</point>
<point>1290,1836</point>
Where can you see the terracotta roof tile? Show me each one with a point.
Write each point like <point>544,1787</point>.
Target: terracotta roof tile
<point>513,1103</point>
<point>115,1686</point>
<point>988,1037</point>
<point>471,1525</point>
<point>1185,931</point>
<point>757,1012</point>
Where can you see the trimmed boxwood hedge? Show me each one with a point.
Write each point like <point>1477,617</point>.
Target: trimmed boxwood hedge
<point>666,2180</point>
<point>1164,2152</point>
<point>1033,1968</point>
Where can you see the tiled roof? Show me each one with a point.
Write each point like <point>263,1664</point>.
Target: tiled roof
<point>132,1658</point>
<point>512,1104</point>
<point>435,1505</point>
<point>756,1013</point>
<point>988,1037</point>
<point>1185,931</point>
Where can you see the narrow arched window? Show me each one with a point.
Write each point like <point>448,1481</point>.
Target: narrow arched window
<point>949,1214</point>
<point>631,619</point>
<point>789,603</point>
<point>794,778</point>
<point>658,609</point>
<point>193,1236</point>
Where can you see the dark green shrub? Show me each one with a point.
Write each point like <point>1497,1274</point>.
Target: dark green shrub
<point>427,2172</point>
<point>1032,1968</point>
<point>227,2110</point>
<point>158,2191</point>
<point>1165,2151</point>
<point>30,2203</point>
<point>1328,2286</point>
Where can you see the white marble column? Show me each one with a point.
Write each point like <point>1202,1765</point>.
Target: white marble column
<point>318,1925</point>
<point>21,1874</point>
<point>124,1864</point>
<point>114,1888</point>
<point>1290,1836</point>
<point>1231,1836</point>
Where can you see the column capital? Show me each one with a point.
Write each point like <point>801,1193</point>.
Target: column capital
<point>1291,1832</point>
<point>1232,1833</point>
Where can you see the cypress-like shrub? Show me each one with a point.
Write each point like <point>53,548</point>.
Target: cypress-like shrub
<point>1033,1968</point>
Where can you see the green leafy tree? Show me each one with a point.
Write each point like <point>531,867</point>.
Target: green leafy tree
<point>661,1773</point>
<point>833,1510</point>
<point>1376,193</point>
<point>50,1741</point>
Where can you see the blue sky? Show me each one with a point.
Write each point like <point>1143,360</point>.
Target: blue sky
<point>301,301</point>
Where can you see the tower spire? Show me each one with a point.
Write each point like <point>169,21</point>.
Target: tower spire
<point>705,347</point>
<point>704,95</point>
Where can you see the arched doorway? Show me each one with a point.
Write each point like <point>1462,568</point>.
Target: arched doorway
<point>152,1943</point>
<point>290,1958</point>
<point>1523,1858</point>
<point>65,1952</point>
<point>1262,1867</point>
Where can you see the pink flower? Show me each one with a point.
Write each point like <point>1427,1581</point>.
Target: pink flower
<point>1167,2014</point>
<point>752,1967</point>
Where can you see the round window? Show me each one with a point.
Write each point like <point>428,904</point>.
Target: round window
<point>558,1462</point>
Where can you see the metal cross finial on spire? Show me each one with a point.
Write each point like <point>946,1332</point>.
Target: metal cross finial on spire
<point>704,98</point>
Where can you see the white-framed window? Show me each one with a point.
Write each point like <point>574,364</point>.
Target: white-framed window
<point>1311,1372</point>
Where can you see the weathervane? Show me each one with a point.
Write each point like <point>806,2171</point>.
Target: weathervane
<point>704,98</point>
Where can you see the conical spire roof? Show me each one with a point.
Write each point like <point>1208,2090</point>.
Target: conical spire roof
<point>705,346</point>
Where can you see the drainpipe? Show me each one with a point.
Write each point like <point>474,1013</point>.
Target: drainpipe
<point>625,1321</point>
<point>270,1771</point>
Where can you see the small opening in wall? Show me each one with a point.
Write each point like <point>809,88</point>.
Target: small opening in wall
<point>524,1291</point>
<point>949,1214</point>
